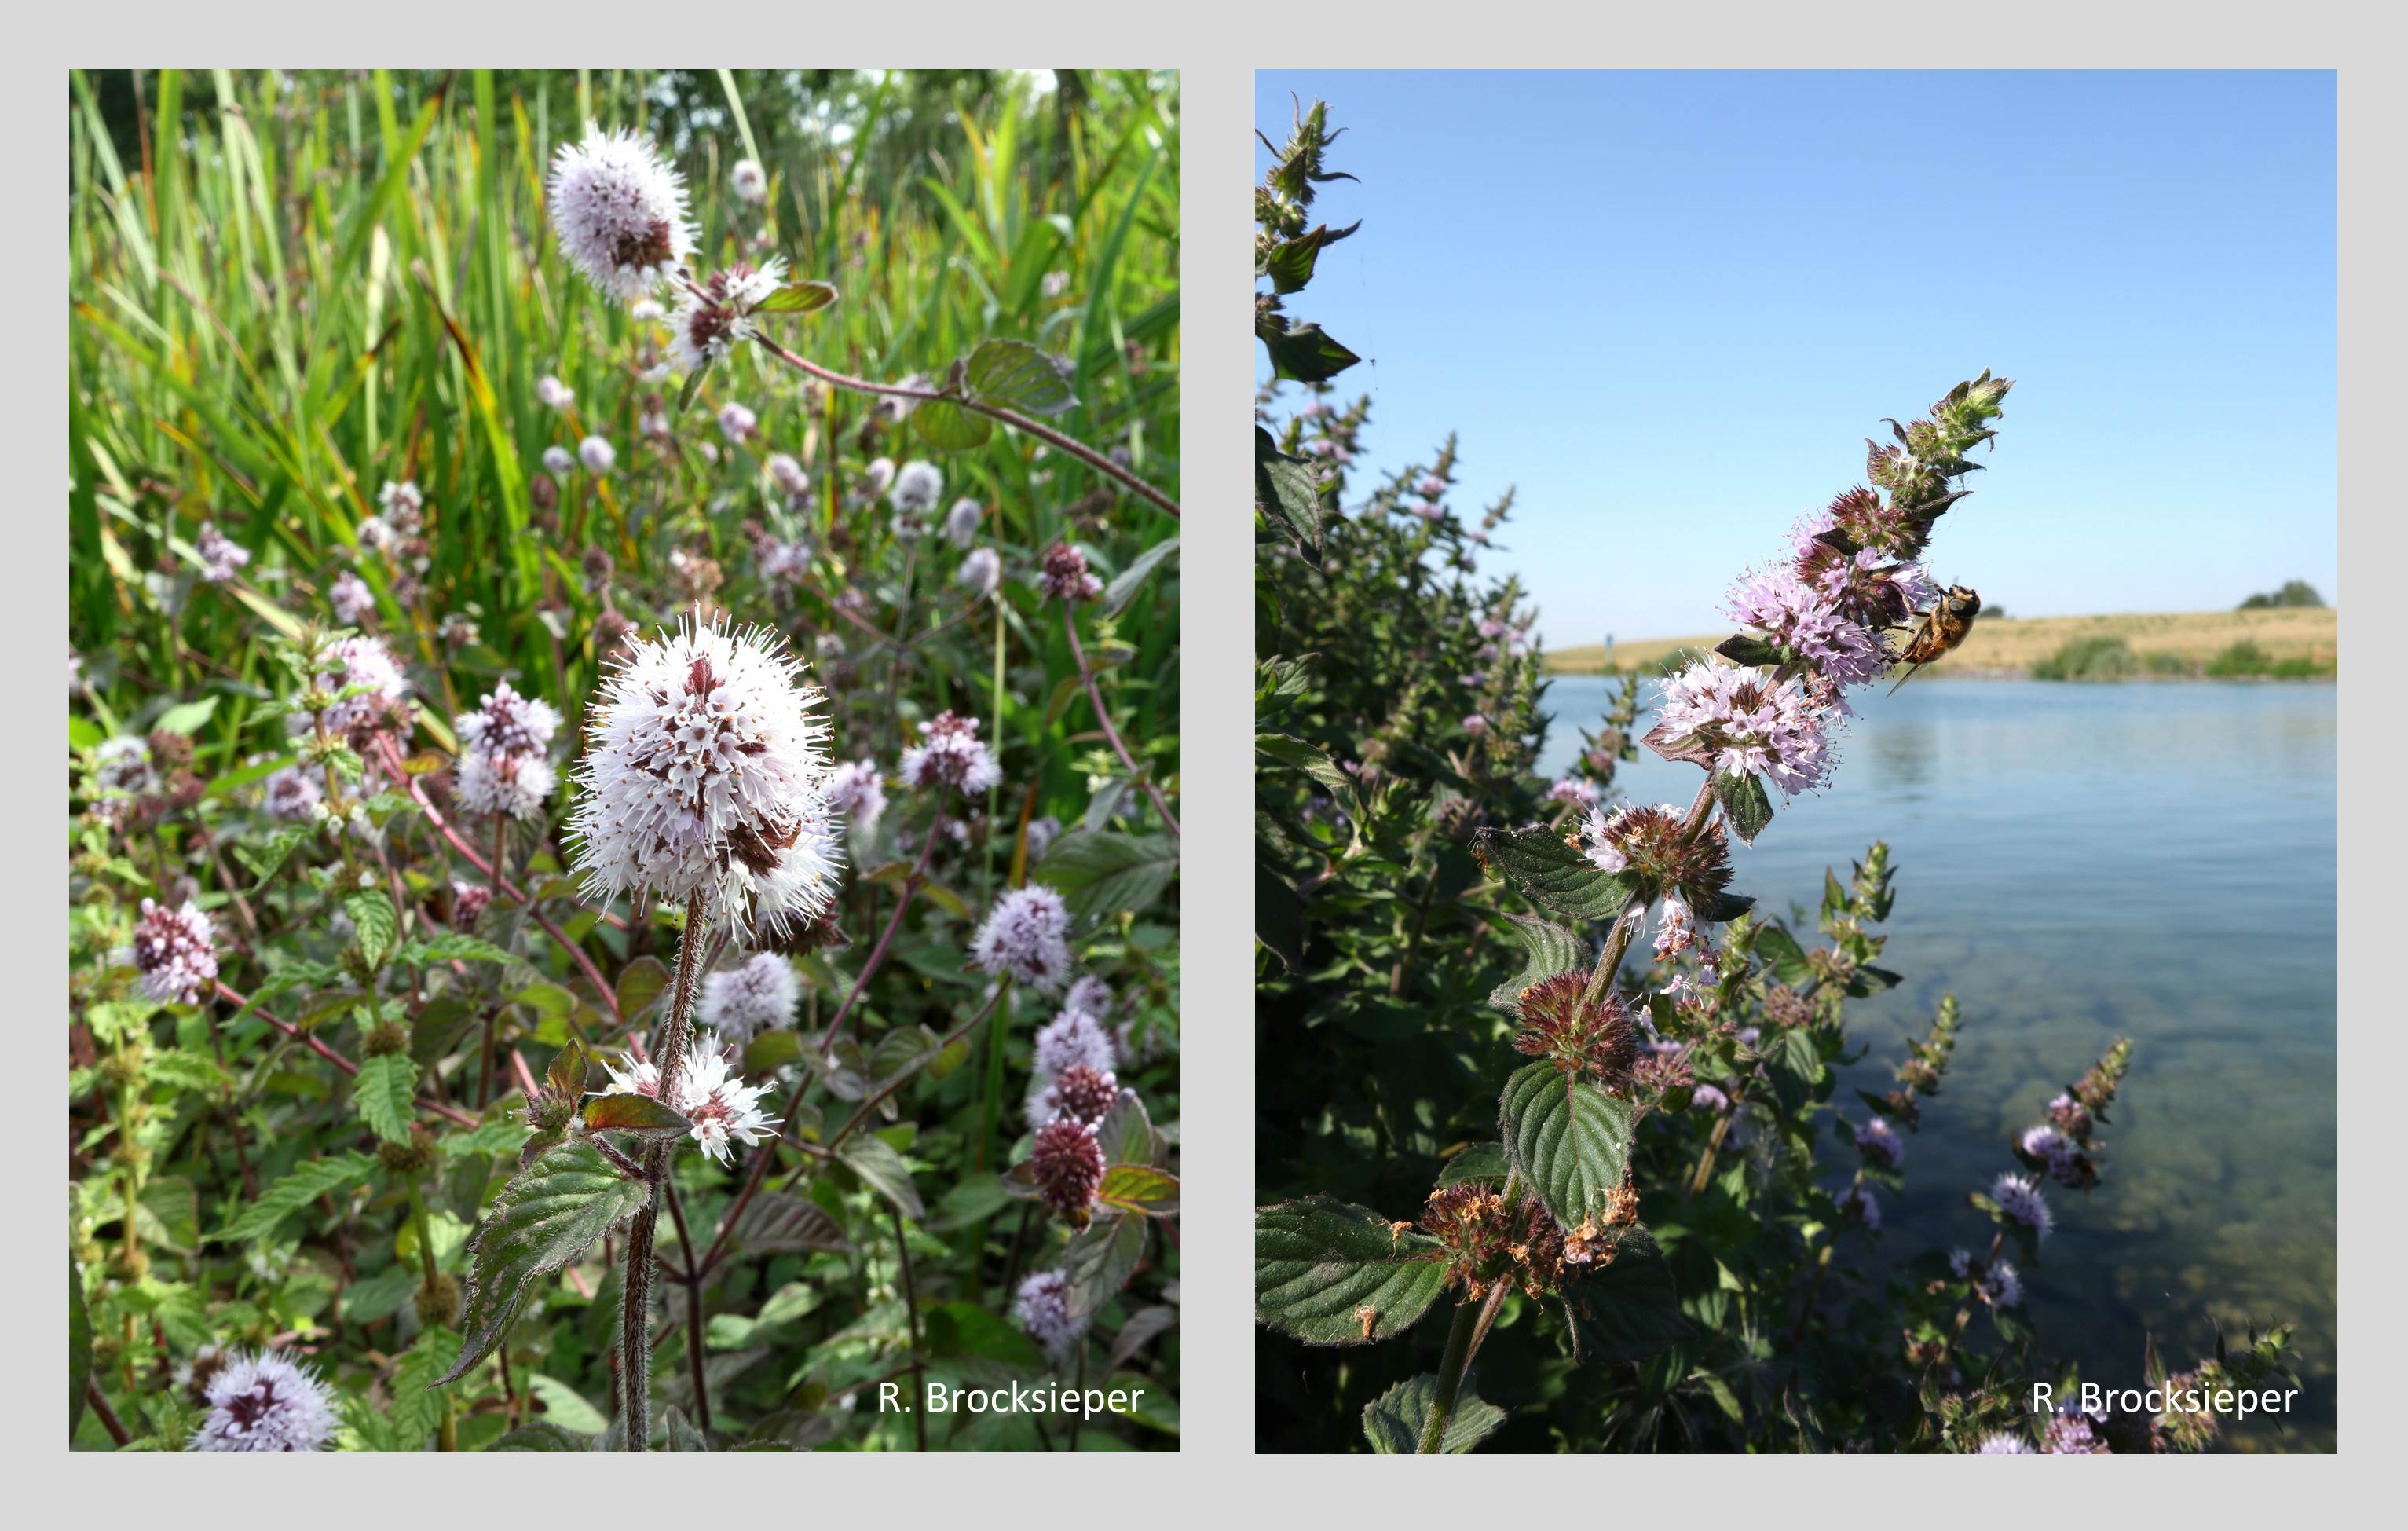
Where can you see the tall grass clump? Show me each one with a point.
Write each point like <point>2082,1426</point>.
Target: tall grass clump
<point>623,751</point>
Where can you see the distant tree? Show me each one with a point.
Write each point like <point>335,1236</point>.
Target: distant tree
<point>2295,592</point>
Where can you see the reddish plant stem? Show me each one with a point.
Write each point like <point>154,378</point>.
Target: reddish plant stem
<point>1012,418</point>
<point>877,954</point>
<point>449,1113</point>
<point>1096,697</point>
<point>575,952</point>
<point>693,1310</point>
<point>768,1150</point>
<point>115,1426</point>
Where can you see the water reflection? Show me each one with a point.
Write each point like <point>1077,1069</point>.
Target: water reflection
<point>2076,863</point>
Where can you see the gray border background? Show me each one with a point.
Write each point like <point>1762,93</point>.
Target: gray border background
<point>1216,49</point>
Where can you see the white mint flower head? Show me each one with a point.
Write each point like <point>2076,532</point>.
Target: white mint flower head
<point>742,1001</point>
<point>736,422</point>
<point>1073,1038</point>
<point>553,393</point>
<point>749,180</point>
<point>125,767</point>
<point>1878,1140</point>
<point>175,950</point>
<point>878,476</point>
<point>918,486</point>
<point>557,461</point>
<point>220,555</point>
<point>787,473</point>
<point>716,316</point>
<point>619,210</point>
<point>508,723</point>
<point>516,786</point>
<point>402,504</point>
<point>1023,936</point>
<point>725,1109</point>
<point>353,600</point>
<point>1747,723</point>
<point>706,772</point>
<point>950,754</point>
<point>785,563</point>
<point>981,572</point>
<point>293,793</point>
<point>596,454</point>
<point>2020,1199</point>
<point>357,662</point>
<point>1042,1311</point>
<point>855,790</point>
<point>260,1402</point>
<point>962,521</point>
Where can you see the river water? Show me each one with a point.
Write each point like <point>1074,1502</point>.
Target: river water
<point>2078,863</point>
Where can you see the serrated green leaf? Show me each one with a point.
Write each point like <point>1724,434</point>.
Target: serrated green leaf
<point>1288,495</point>
<point>946,426</point>
<point>1781,952</point>
<point>1483,1162</point>
<point>1139,1188</point>
<point>566,1407</point>
<point>1744,803</point>
<point>1126,584</point>
<point>1103,872</point>
<point>549,1213</point>
<point>1099,1258</point>
<point>383,1094</point>
<point>877,1163</point>
<point>1330,1273</point>
<point>797,298</point>
<point>1304,353</point>
<point>1548,949</point>
<point>1393,1422</point>
<point>1570,1139</point>
<point>295,1191</point>
<point>638,1116</point>
<point>186,718</point>
<point>1626,1308</point>
<point>373,918</point>
<point>1545,870</point>
<point>1795,1066</point>
<point>447,948</point>
<point>541,1436</point>
<point>1017,375</point>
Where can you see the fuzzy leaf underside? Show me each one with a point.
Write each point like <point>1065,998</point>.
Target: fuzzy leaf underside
<point>1393,1422</point>
<point>1549,949</point>
<point>1100,1258</point>
<point>549,1215</point>
<point>1330,1273</point>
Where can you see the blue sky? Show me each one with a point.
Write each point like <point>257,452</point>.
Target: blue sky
<point>1668,307</point>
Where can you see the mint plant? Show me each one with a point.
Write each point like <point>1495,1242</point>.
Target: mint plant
<point>624,764</point>
<point>1535,1070</point>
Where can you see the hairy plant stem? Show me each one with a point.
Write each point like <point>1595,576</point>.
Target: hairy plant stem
<point>1012,418</point>
<point>878,954</point>
<point>1095,698</point>
<point>450,1437</point>
<point>635,1342</point>
<point>911,1308</point>
<point>609,995</point>
<point>761,1160</point>
<point>450,1113</point>
<point>1463,1337</point>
